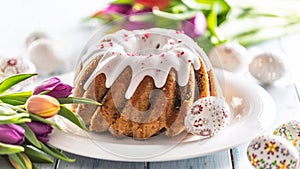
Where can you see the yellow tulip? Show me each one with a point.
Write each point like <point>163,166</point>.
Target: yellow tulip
<point>42,105</point>
<point>26,160</point>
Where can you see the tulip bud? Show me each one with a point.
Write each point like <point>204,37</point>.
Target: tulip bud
<point>41,130</point>
<point>16,165</point>
<point>42,105</point>
<point>12,134</point>
<point>196,26</point>
<point>55,87</point>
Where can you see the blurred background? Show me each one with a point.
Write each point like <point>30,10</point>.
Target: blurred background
<point>70,23</point>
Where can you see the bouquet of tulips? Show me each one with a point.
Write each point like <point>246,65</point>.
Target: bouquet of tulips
<point>25,123</point>
<point>198,19</point>
<point>209,22</point>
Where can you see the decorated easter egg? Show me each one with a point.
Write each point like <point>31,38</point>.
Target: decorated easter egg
<point>230,56</point>
<point>272,152</point>
<point>267,68</point>
<point>207,116</point>
<point>291,132</point>
<point>16,65</point>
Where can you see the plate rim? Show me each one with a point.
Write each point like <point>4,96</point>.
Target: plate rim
<point>261,93</point>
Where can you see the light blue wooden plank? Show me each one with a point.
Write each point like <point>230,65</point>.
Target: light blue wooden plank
<point>84,163</point>
<point>219,160</point>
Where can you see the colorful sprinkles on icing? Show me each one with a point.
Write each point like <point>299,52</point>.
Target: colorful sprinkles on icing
<point>207,116</point>
<point>158,49</point>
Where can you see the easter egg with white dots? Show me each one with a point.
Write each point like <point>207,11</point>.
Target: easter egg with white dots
<point>232,57</point>
<point>291,132</point>
<point>272,151</point>
<point>267,68</point>
<point>207,116</point>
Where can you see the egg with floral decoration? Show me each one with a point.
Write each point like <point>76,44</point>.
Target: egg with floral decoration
<point>267,67</point>
<point>271,151</point>
<point>16,65</point>
<point>232,57</point>
<point>207,117</point>
<point>291,132</point>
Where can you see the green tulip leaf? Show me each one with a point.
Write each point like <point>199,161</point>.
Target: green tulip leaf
<point>74,118</point>
<point>10,81</point>
<point>178,16</point>
<point>16,118</point>
<point>38,118</point>
<point>37,155</point>
<point>123,2</point>
<point>30,136</point>
<point>15,98</point>
<point>56,154</point>
<point>77,100</point>
<point>18,158</point>
<point>10,149</point>
<point>6,111</point>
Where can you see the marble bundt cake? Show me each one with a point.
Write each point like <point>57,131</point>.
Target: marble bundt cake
<point>146,80</point>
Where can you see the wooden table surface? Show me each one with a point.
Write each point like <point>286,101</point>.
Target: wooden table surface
<point>284,92</point>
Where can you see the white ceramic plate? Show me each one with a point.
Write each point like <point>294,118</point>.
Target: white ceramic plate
<point>253,111</point>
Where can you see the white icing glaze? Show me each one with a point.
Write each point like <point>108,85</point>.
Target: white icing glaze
<point>151,52</point>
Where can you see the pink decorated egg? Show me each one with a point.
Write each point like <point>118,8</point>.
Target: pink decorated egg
<point>207,116</point>
<point>16,65</point>
<point>272,152</point>
<point>291,132</point>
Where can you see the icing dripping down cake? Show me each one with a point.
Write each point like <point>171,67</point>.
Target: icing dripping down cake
<point>146,81</point>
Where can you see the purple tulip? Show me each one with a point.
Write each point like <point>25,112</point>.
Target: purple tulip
<point>196,26</point>
<point>41,130</point>
<point>12,134</point>
<point>118,8</point>
<point>55,86</point>
<point>113,8</point>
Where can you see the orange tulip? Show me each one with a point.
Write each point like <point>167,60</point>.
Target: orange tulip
<point>42,105</point>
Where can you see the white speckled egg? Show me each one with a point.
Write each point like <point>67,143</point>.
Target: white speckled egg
<point>230,56</point>
<point>36,36</point>
<point>272,152</point>
<point>47,56</point>
<point>207,116</point>
<point>267,68</point>
<point>291,132</point>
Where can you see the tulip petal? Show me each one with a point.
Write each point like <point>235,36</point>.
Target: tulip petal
<point>45,85</point>
<point>30,136</point>
<point>42,105</point>
<point>53,87</point>
<point>40,128</point>
<point>12,134</point>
